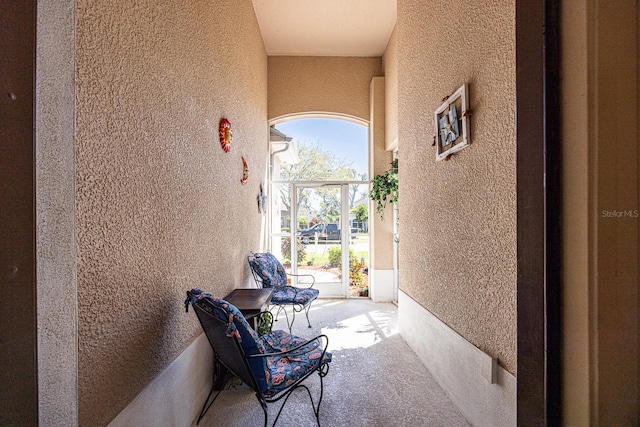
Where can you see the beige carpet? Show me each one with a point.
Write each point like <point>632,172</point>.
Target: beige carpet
<point>374,379</point>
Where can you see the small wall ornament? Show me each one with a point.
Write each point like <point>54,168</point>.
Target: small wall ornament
<point>245,172</point>
<point>226,135</point>
<point>452,124</point>
<point>262,200</point>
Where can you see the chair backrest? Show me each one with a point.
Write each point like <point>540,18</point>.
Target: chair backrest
<point>231,337</point>
<point>268,270</point>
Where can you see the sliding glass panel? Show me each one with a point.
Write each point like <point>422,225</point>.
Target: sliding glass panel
<point>280,220</point>
<point>358,240</point>
<point>319,232</point>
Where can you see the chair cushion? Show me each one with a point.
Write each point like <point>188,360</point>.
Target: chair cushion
<point>270,271</point>
<point>283,371</point>
<point>237,325</point>
<point>291,294</point>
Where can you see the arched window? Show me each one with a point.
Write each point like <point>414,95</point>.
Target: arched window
<point>319,200</point>
<point>328,149</point>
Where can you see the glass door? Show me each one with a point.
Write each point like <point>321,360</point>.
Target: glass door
<point>357,210</point>
<point>331,238</point>
<point>319,236</point>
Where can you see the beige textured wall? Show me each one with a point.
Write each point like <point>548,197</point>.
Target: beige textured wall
<point>160,207</point>
<point>340,85</point>
<point>390,71</point>
<point>55,208</point>
<point>458,218</point>
<point>380,161</point>
<point>601,161</point>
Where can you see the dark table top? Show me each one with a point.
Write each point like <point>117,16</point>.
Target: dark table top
<point>249,299</point>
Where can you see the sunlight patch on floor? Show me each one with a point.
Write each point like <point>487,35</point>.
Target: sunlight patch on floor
<point>321,304</point>
<point>361,331</point>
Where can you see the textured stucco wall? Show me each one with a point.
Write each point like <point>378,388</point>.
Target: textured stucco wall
<point>340,85</point>
<point>55,207</point>
<point>380,161</point>
<point>160,207</point>
<point>458,218</point>
<point>390,70</point>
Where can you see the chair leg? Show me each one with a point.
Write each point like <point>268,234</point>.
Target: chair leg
<point>281,308</point>
<point>322,372</point>
<point>307,313</point>
<point>289,393</point>
<point>286,315</point>
<point>264,409</point>
<point>293,319</point>
<point>205,408</point>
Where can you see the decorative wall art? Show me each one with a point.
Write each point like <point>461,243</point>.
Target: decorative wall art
<point>226,135</point>
<point>262,200</point>
<point>452,124</point>
<point>245,172</point>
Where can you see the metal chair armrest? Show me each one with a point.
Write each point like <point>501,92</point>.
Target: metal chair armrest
<point>313,279</point>
<point>293,351</point>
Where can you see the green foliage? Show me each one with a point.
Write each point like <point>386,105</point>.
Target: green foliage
<point>384,188</point>
<point>361,213</point>
<point>315,164</point>
<point>356,274</point>
<point>286,249</point>
<point>330,204</point>
<point>303,222</point>
<point>265,322</point>
<point>335,256</point>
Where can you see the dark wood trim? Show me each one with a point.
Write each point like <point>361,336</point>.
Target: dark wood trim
<point>18,328</point>
<point>553,215</point>
<point>538,212</point>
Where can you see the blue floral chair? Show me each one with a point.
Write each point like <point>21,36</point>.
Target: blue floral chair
<point>272,365</point>
<point>268,272</point>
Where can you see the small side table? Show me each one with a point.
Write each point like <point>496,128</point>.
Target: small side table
<point>250,301</point>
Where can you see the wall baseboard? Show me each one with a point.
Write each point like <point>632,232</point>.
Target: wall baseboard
<point>175,397</point>
<point>462,370</point>
<point>381,285</point>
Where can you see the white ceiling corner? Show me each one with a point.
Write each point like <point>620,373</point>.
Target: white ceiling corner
<point>325,27</point>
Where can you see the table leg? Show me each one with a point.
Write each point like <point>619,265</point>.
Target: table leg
<point>219,374</point>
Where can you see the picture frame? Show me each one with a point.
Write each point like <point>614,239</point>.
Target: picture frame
<point>451,120</point>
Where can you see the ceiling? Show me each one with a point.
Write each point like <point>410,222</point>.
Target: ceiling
<point>325,27</point>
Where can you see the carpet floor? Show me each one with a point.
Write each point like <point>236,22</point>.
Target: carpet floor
<point>375,379</point>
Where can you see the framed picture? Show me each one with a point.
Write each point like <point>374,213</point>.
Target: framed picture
<point>452,124</point>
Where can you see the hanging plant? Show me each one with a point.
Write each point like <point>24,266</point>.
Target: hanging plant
<point>384,188</point>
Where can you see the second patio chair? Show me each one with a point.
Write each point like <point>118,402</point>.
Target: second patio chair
<point>268,272</point>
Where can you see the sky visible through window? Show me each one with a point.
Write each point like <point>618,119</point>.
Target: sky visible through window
<point>344,139</point>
